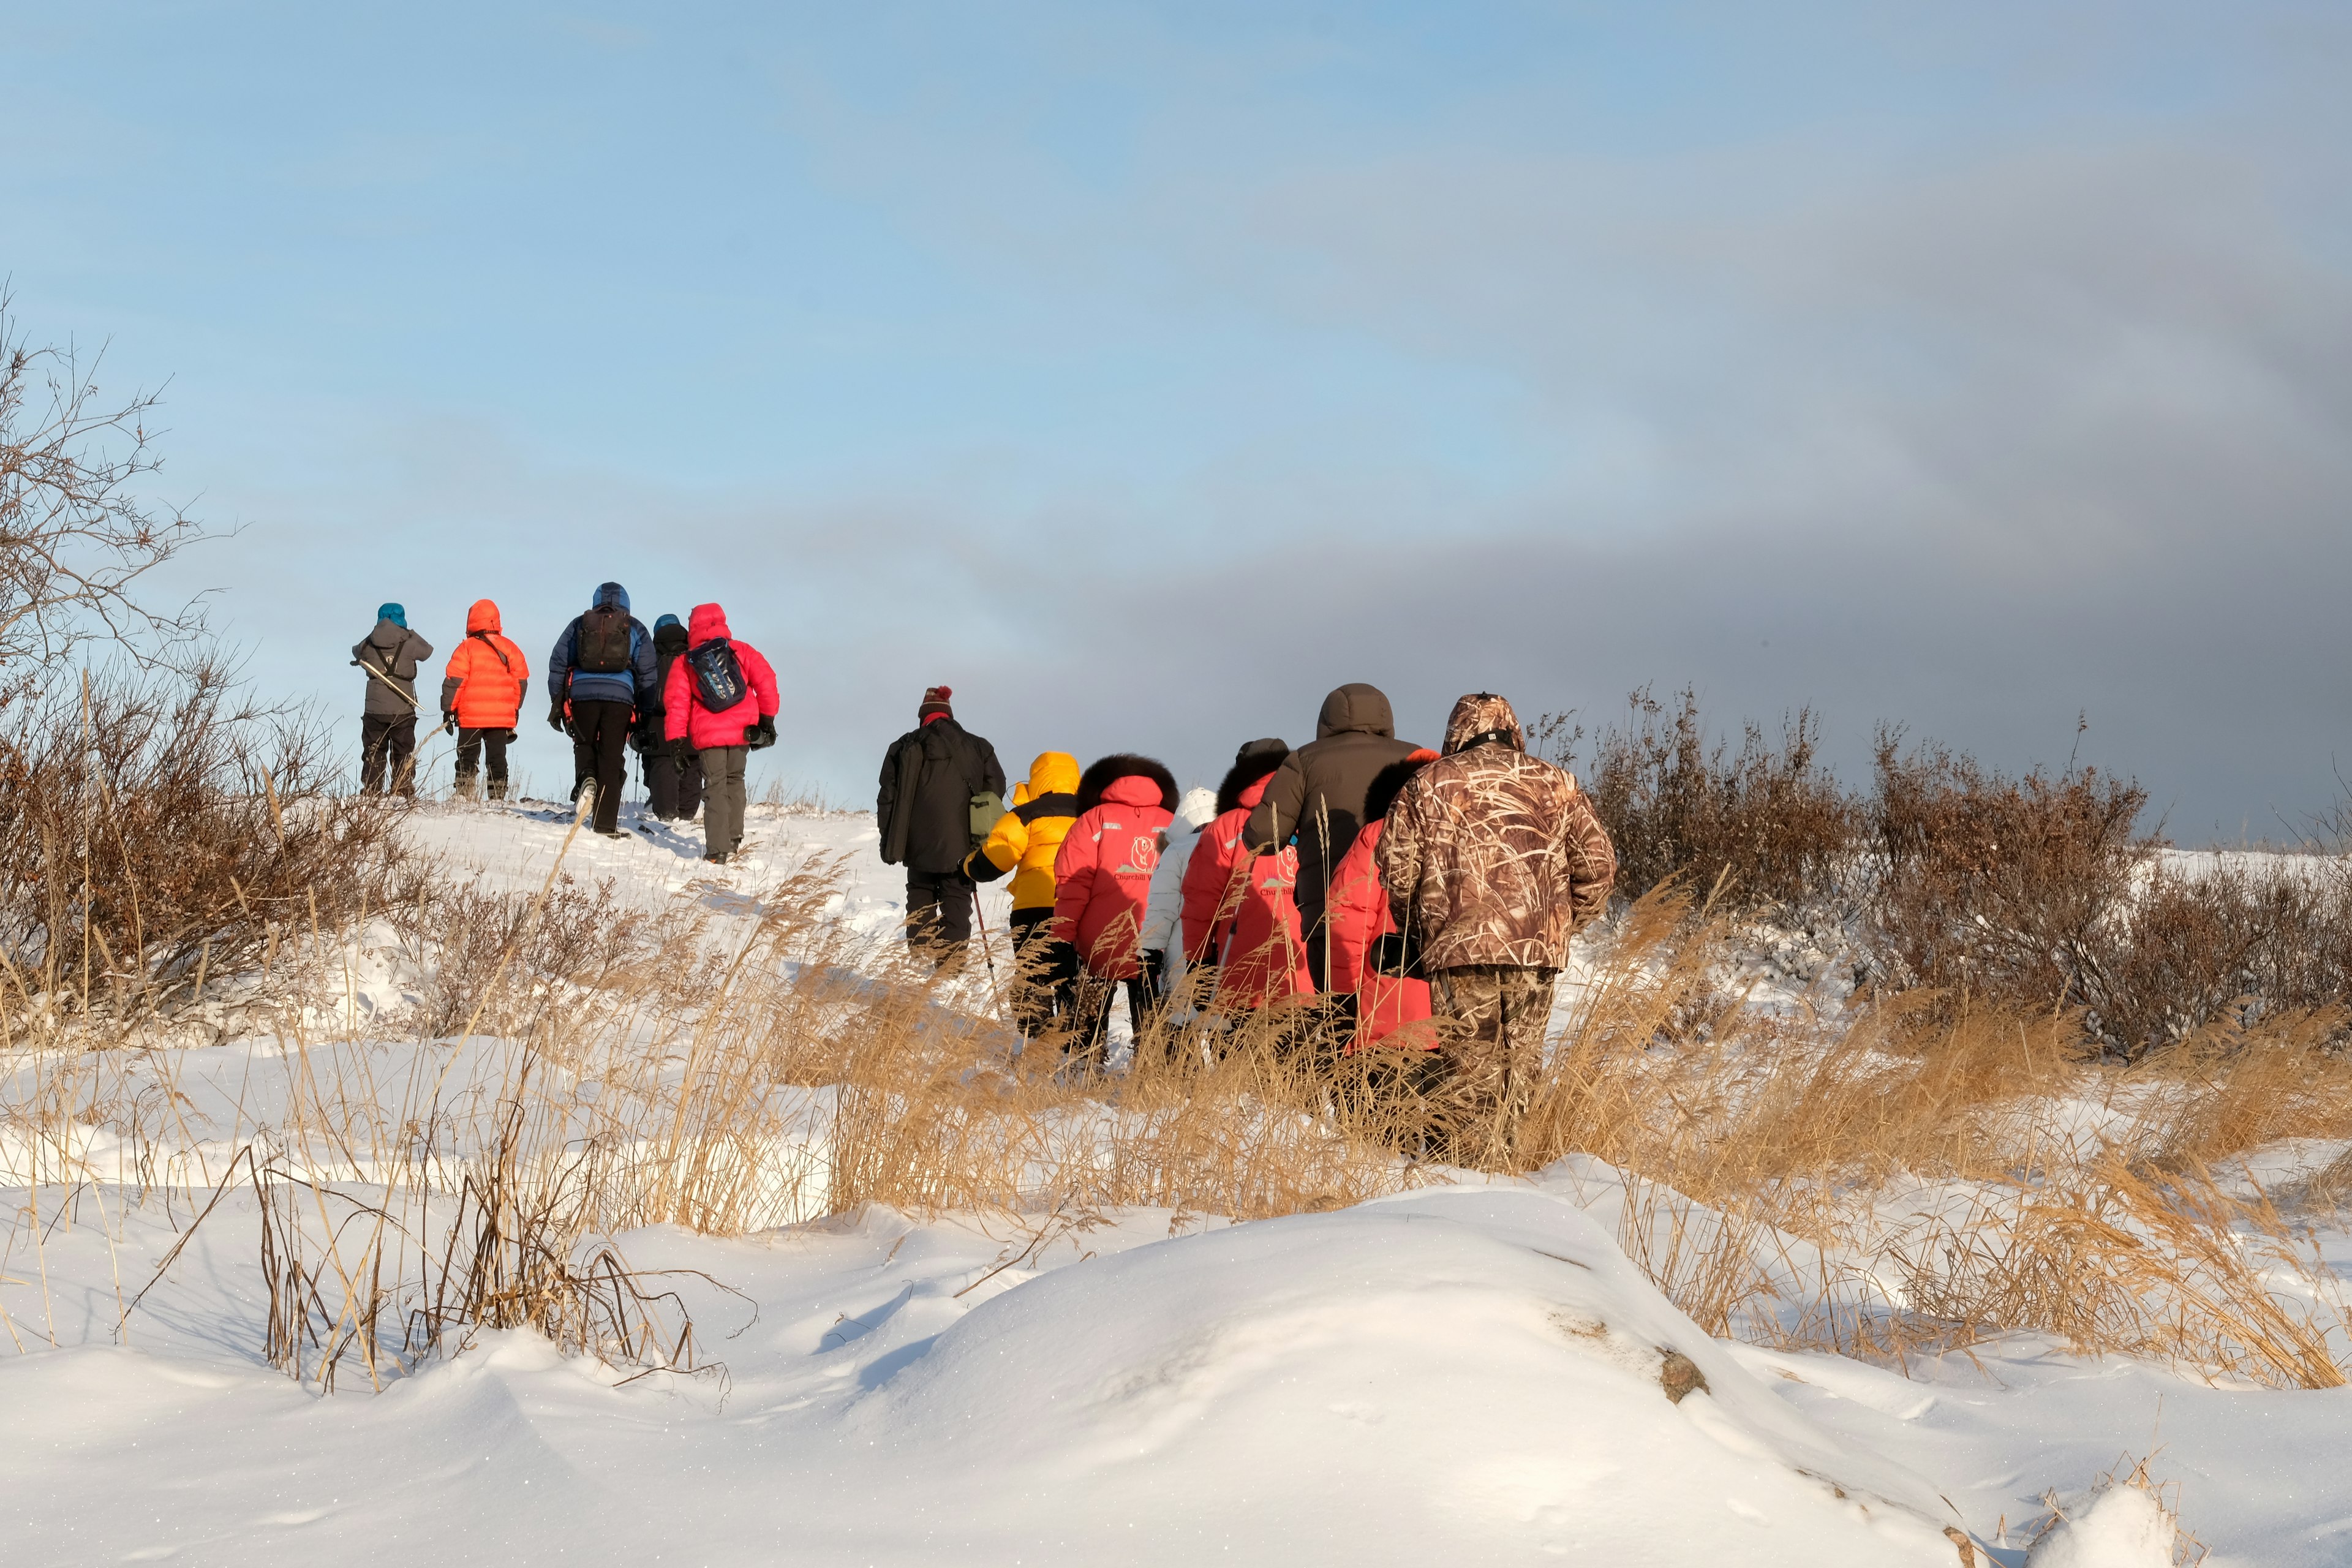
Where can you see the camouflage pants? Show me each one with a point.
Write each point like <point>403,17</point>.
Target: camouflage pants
<point>1491,1034</point>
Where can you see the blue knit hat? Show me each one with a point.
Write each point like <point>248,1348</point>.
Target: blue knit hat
<point>666,621</point>
<point>392,613</point>
<point>610,596</point>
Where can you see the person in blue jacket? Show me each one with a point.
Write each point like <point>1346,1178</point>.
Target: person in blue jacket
<point>600,677</point>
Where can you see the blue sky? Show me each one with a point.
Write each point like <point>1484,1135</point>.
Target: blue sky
<point>1144,370</point>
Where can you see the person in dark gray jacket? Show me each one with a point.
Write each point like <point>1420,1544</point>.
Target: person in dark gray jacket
<point>389,657</point>
<point>673,769</point>
<point>1316,799</point>
<point>930,777</point>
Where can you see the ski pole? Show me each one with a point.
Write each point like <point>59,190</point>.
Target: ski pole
<point>416,765</point>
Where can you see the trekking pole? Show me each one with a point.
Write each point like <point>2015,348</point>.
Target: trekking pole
<point>416,765</point>
<point>979,920</point>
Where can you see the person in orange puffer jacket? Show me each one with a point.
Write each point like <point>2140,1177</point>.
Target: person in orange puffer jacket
<point>1390,1009</point>
<point>1102,889</point>
<point>1241,909</point>
<point>482,689</point>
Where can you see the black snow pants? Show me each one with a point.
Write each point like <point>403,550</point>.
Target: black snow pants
<point>600,749</point>
<point>938,912</point>
<point>471,744</point>
<point>674,779</point>
<point>388,749</point>
<point>1045,974</point>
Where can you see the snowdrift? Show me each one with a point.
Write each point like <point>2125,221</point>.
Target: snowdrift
<point>1452,1375</point>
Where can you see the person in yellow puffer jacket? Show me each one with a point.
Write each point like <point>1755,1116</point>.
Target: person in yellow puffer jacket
<point>1025,841</point>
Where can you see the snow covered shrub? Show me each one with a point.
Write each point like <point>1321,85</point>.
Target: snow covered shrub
<point>1767,825</point>
<point>155,829</point>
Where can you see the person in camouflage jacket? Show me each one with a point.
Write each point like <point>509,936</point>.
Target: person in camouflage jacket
<point>1491,860</point>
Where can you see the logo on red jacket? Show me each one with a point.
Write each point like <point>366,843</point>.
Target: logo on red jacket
<point>1141,856</point>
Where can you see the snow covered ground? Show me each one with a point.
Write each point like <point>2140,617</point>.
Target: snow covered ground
<point>1470,1373</point>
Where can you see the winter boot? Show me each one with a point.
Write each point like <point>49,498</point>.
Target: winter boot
<point>498,789</point>
<point>469,787</point>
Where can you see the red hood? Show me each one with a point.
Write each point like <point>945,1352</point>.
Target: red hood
<point>1133,789</point>
<point>482,618</point>
<point>708,621</point>
<point>1250,797</point>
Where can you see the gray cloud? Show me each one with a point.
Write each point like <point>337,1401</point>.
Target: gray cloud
<point>1972,431</point>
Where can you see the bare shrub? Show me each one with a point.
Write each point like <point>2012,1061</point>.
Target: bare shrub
<point>1769,823</point>
<point>576,937</point>
<point>156,828</point>
<point>2002,888</point>
<point>75,537</point>
<point>2193,947</point>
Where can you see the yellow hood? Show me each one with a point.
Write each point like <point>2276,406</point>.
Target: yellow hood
<point>1053,772</point>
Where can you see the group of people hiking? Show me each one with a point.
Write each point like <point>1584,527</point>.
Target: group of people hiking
<point>1359,889</point>
<point>690,700</point>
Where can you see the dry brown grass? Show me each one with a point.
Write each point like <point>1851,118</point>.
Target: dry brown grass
<point>1919,1175</point>
<point>1933,1171</point>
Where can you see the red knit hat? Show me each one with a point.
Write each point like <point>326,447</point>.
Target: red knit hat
<point>935,703</point>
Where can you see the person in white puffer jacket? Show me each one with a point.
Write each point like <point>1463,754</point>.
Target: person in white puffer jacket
<point>1162,915</point>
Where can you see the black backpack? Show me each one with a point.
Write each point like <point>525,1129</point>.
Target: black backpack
<point>718,674</point>
<point>604,646</point>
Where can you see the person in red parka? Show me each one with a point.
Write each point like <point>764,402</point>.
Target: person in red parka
<point>1102,890</point>
<point>1390,1009</point>
<point>721,698</point>
<point>1241,912</point>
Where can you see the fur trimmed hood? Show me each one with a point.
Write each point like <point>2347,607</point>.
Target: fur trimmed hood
<point>1257,761</point>
<point>1102,774</point>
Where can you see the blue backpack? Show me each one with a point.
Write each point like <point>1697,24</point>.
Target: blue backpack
<point>718,674</point>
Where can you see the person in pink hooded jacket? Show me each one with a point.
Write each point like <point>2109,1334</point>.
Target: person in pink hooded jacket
<point>721,698</point>
<point>1102,890</point>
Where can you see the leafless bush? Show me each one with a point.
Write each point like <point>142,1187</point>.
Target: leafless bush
<point>2237,942</point>
<point>75,537</point>
<point>579,938</point>
<point>155,827</point>
<point>2003,888</point>
<point>1768,825</point>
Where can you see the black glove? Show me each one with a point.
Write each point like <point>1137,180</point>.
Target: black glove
<point>555,718</point>
<point>448,724</point>
<point>1399,957</point>
<point>760,735</point>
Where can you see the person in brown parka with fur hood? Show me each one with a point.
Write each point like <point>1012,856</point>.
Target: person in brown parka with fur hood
<point>1492,859</point>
